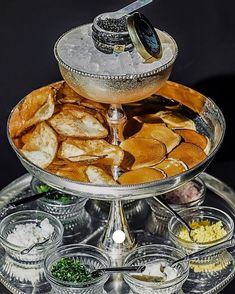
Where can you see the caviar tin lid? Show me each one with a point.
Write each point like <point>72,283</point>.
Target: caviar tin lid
<point>144,37</point>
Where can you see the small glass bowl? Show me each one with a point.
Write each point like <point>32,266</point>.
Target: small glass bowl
<point>90,256</point>
<point>38,254</point>
<point>61,211</point>
<point>200,214</point>
<point>148,254</point>
<point>161,218</point>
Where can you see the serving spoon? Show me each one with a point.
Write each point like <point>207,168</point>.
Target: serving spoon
<point>129,8</point>
<point>207,251</point>
<point>122,269</point>
<point>174,213</point>
<point>30,248</point>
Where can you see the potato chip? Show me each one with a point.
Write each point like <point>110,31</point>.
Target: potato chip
<point>36,107</point>
<point>41,145</point>
<point>93,105</point>
<point>75,173</point>
<point>72,121</point>
<point>95,150</point>
<point>98,176</point>
<point>66,94</point>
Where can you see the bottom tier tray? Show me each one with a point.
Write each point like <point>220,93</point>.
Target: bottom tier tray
<point>18,280</point>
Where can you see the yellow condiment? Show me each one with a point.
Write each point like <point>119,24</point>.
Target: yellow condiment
<point>217,264</point>
<point>203,232</point>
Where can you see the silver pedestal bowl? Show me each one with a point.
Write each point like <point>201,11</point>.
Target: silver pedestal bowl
<point>113,89</point>
<point>209,119</point>
<point>117,90</point>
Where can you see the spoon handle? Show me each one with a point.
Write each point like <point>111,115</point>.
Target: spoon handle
<point>212,249</point>
<point>27,250</point>
<point>131,7</point>
<point>124,269</point>
<point>32,198</point>
<point>173,212</point>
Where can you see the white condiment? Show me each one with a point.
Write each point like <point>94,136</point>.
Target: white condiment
<point>159,269</point>
<point>25,235</point>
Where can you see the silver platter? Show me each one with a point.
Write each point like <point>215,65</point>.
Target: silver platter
<point>209,120</point>
<point>218,195</point>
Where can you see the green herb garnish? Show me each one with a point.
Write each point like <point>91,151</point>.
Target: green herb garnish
<point>60,197</point>
<point>71,270</point>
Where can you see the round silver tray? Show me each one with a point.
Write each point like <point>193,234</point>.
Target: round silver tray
<point>218,195</point>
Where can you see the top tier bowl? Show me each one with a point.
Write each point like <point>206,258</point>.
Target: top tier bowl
<point>111,88</point>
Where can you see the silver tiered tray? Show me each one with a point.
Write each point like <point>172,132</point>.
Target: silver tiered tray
<point>208,120</point>
<point>218,195</point>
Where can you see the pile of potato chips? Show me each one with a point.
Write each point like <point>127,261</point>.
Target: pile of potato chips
<point>68,135</point>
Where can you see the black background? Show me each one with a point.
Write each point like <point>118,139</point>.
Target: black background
<point>203,29</point>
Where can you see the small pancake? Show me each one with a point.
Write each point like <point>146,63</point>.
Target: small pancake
<point>97,175</point>
<point>149,119</point>
<point>161,133</point>
<point>189,153</point>
<point>191,136</point>
<point>176,120</point>
<point>132,127</point>
<point>141,109</point>
<point>100,151</point>
<point>72,121</point>
<point>41,145</point>
<point>141,152</point>
<point>141,175</point>
<point>171,167</point>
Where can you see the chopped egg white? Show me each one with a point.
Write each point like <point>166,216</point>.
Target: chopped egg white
<point>25,235</point>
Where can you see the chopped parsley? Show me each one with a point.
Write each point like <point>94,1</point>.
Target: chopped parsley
<point>71,270</point>
<point>60,197</point>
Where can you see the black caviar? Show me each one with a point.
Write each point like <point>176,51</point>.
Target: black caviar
<point>112,24</point>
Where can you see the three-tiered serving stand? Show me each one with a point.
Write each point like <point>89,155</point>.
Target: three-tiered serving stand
<point>117,239</point>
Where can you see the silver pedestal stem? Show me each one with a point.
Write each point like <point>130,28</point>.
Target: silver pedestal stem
<point>117,119</point>
<point>117,239</point>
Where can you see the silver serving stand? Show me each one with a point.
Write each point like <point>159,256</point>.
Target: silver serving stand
<point>218,195</point>
<point>208,120</point>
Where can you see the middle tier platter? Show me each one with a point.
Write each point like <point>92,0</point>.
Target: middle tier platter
<point>174,105</point>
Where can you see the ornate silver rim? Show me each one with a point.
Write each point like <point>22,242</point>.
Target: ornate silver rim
<point>115,77</point>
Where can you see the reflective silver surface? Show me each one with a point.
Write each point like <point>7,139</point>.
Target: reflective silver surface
<point>210,118</point>
<point>207,285</point>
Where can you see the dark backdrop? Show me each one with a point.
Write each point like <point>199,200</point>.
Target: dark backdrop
<point>203,29</point>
